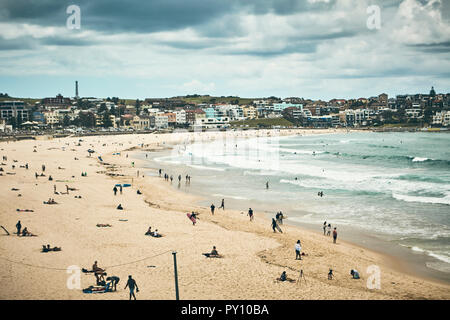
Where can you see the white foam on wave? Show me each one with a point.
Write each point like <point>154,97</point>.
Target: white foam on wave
<point>430,253</point>
<point>228,196</point>
<point>419,159</point>
<point>195,166</point>
<point>403,197</point>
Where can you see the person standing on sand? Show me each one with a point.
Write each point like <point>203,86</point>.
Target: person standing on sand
<point>329,229</point>
<point>131,284</point>
<point>324,227</point>
<point>250,214</point>
<point>18,226</point>
<point>115,190</point>
<point>212,208</point>
<point>267,184</point>
<point>160,172</point>
<point>334,235</point>
<point>298,249</point>
<point>223,204</point>
<point>120,189</point>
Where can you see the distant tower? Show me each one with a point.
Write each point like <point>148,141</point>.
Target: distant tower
<point>76,89</point>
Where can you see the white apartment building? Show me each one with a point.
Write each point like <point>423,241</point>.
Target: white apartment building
<point>180,116</point>
<point>212,123</point>
<point>413,113</point>
<point>442,118</point>
<point>159,121</point>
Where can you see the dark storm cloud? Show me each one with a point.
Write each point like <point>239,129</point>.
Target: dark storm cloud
<point>441,47</point>
<point>21,43</point>
<point>145,16</point>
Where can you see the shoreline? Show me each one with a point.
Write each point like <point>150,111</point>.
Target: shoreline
<point>400,258</point>
<point>254,257</point>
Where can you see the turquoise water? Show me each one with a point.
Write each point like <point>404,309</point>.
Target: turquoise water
<point>393,185</point>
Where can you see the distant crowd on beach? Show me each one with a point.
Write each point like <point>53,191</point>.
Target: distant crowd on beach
<point>108,284</point>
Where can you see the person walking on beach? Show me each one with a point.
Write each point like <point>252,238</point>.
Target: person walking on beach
<point>18,226</point>
<point>115,190</point>
<point>223,204</point>
<point>131,284</point>
<point>298,249</point>
<point>334,235</point>
<point>160,172</point>
<point>324,227</point>
<point>43,167</point>
<point>267,184</point>
<point>120,189</point>
<point>212,208</point>
<point>274,224</point>
<point>250,214</point>
<point>329,229</point>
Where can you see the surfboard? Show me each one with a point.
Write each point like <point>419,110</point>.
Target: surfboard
<point>5,230</point>
<point>191,218</point>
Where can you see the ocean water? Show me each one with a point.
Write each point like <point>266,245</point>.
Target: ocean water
<point>392,185</point>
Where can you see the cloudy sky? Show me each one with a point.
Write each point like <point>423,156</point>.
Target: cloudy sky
<point>318,49</point>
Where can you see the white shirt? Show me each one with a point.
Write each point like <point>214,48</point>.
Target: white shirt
<point>298,247</point>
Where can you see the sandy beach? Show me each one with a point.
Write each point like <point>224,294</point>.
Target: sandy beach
<point>254,256</point>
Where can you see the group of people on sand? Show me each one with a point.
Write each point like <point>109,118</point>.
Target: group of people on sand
<point>48,248</point>
<point>23,232</point>
<point>327,231</point>
<point>50,201</point>
<point>213,207</point>
<point>168,177</point>
<point>110,283</point>
<point>155,233</point>
<point>115,189</point>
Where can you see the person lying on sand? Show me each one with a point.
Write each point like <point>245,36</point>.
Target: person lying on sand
<point>119,207</point>
<point>24,210</point>
<point>50,201</point>
<point>213,253</point>
<point>47,248</point>
<point>100,225</point>
<point>139,192</point>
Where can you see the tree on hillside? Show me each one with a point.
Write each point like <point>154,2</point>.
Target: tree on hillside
<point>66,121</point>
<point>86,119</point>
<point>106,123</point>
<point>137,104</point>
